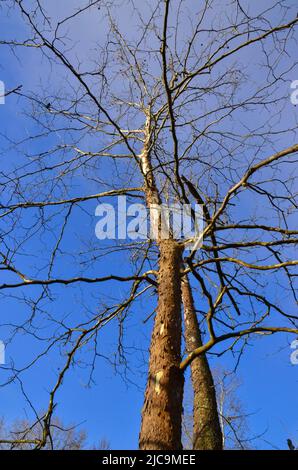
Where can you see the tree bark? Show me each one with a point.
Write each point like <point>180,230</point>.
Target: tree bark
<point>162,411</point>
<point>207,433</point>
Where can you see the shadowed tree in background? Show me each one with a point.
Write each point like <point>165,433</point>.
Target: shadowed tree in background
<point>178,102</point>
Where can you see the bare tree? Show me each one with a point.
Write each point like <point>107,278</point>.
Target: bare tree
<point>234,417</point>
<point>236,431</point>
<point>207,432</point>
<point>23,435</point>
<point>179,102</point>
<point>291,445</point>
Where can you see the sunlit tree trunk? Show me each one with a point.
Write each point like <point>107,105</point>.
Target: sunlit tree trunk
<point>162,411</point>
<point>207,434</point>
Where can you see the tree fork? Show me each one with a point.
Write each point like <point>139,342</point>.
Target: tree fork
<point>162,410</point>
<point>207,433</point>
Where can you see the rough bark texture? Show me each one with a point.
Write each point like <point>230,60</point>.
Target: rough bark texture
<point>207,434</point>
<point>162,411</point>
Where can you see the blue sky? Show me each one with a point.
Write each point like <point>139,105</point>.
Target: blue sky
<point>111,406</point>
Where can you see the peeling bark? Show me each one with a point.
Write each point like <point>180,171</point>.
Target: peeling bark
<point>162,411</point>
<point>207,433</point>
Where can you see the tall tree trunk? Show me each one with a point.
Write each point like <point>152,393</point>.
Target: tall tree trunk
<point>207,434</point>
<point>162,411</point>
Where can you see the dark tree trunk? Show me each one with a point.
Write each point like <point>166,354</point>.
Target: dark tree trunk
<point>207,434</point>
<point>162,411</point>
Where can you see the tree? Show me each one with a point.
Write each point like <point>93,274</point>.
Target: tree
<point>236,432</point>
<point>207,432</point>
<point>23,435</point>
<point>179,103</point>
